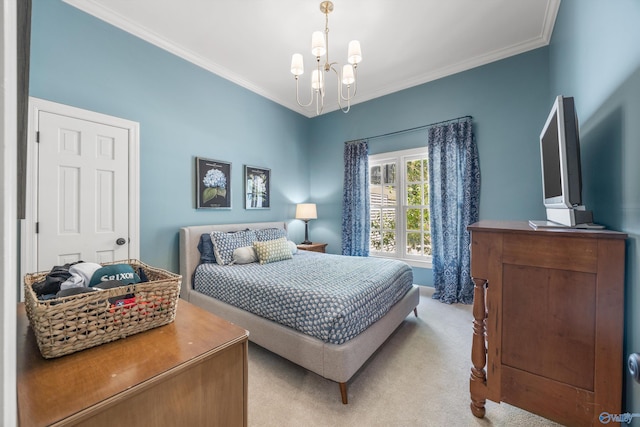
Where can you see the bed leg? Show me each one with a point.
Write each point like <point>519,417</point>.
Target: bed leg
<point>343,392</point>
<point>415,311</point>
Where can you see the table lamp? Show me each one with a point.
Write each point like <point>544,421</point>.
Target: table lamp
<point>305,212</point>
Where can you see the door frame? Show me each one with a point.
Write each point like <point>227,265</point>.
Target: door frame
<point>29,243</point>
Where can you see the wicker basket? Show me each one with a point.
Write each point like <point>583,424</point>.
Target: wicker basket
<point>69,324</point>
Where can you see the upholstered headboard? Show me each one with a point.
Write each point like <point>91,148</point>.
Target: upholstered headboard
<point>190,256</point>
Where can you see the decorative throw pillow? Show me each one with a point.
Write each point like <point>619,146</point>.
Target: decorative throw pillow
<point>273,250</point>
<point>266,234</point>
<point>293,247</point>
<point>244,255</point>
<point>206,249</point>
<point>225,243</point>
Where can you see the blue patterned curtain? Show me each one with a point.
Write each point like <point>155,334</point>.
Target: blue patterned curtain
<point>454,182</point>
<point>355,200</point>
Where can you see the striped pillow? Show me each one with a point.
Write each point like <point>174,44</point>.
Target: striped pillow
<point>225,243</point>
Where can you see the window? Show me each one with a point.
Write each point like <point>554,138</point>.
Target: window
<point>399,202</point>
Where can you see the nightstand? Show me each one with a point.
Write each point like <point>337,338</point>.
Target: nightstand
<point>314,247</point>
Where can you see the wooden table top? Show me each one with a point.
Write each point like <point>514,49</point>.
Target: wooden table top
<point>523,226</point>
<point>53,389</point>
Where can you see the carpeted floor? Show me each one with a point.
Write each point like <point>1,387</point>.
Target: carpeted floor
<point>419,377</point>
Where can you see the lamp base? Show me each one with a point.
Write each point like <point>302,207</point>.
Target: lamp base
<point>306,233</point>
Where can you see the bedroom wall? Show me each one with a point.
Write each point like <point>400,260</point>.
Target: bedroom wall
<point>509,104</point>
<point>594,57</point>
<point>183,111</point>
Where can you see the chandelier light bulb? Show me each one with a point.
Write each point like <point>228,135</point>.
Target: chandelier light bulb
<point>318,46</point>
<point>317,81</point>
<point>347,75</point>
<point>355,53</point>
<point>297,65</point>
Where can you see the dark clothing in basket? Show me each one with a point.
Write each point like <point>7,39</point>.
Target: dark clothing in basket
<point>51,283</point>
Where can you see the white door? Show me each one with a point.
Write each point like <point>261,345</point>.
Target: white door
<point>83,191</point>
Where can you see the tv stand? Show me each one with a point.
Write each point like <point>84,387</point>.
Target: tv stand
<point>570,217</point>
<point>590,226</point>
<point>548,323</point>
<point>535,224</point>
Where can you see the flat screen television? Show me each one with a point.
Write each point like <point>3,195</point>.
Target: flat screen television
<point>560,154</point>
<point>561,169</point>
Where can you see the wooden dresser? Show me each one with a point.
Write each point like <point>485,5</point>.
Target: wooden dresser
<point>548,320</point>
<point>192,372</point>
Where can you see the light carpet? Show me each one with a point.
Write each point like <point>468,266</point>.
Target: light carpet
<point>419,377</point>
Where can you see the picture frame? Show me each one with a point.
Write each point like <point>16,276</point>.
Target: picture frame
<point>213,184</point>
<point>257,187</point>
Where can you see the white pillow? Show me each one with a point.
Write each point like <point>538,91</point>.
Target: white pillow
<point>244,255</point>
<point>293,246</point>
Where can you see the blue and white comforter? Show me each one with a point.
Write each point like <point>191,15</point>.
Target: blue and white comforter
<point>330,297</point>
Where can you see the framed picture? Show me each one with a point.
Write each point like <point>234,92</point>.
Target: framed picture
<point>256,187</point>
<point>213,184</point>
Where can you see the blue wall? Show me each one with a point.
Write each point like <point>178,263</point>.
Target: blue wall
<point>594,56</point>
<point>509,104</point>
<point>183,111</point>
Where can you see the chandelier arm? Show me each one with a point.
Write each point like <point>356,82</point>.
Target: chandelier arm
<point>298,96</point>
<point>319,107</point>
<point>355,80</point>
<point>340,97</point>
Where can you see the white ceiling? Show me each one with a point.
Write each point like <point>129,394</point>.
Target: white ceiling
<point>404,43</point>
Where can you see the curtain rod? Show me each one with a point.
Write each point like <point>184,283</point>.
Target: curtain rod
<point>413,129</point>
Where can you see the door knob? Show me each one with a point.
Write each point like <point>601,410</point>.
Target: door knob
<point>120,241</point>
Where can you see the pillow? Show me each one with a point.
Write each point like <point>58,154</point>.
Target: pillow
<point>244,255</point>
<point>266,234</point>
<point>273,250</point>
<point>225,243</point>
<point>205,246</point>
<point>293,247</point>
<point>121,272</point>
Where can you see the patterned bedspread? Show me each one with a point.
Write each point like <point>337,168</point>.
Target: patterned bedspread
<point>330,297</point>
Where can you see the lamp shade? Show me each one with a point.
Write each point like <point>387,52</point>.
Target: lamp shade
<point>317,80</point>
<point>306,211</point>
<point>297,65</point>
<point>347,75</point>
<point>354,55</point>
<point>318,45</point>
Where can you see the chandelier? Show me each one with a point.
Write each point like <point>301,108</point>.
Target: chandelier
<point>320,47</point>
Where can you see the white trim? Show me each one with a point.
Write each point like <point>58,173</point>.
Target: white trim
<point>29,249</point>
<point>8,223</point>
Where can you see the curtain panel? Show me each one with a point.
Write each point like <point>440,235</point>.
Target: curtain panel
<point>454,182</point>
<point>355,200</point>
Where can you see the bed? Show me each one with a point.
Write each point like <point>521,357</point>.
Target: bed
<point>337,361</point>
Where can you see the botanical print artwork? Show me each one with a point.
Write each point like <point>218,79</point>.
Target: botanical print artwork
<point>257,193</point>
<point>213,183</point>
